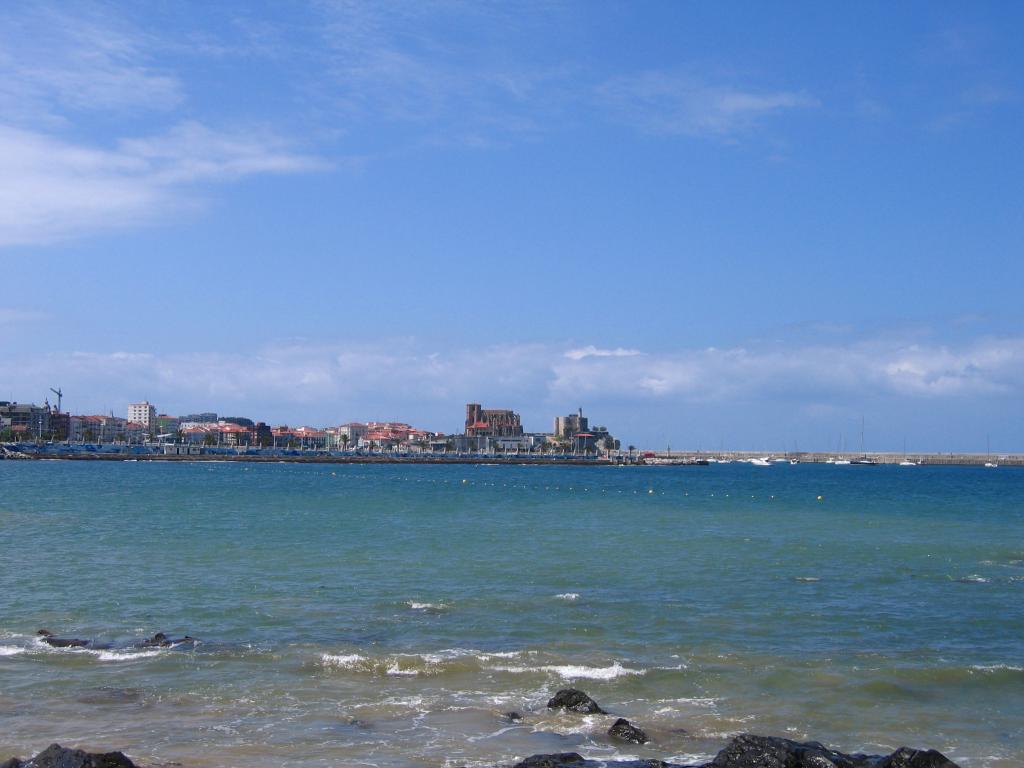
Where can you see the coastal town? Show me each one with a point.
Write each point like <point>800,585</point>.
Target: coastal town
<point>47,431</point>
<point>486,432</point>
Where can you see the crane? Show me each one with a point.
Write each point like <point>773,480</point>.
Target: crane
<point>59,393</point>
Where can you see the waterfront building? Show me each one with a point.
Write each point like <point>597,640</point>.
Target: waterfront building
<point>60,424</point>
<point>143,413</point>
<point>481,422</point>
<point>24,421</point>
<point>354,430</point>
<point>167,425</point>
<point>571,425</point>
<point>97,429</point>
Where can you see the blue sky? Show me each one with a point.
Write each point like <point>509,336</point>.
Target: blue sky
<point>708,224</point>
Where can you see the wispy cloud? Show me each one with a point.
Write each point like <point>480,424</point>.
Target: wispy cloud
<point>53,62</point>
<point>677,103</point>
<point>402,63</point>
<point>57,189</point>
<point>591,351</point>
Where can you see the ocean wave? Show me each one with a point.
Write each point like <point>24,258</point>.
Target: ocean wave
<point>406,664</point>
<point>342,660</point>
<point>974,579</point>
<point>570,596</point>
<point>575,671</point>
<point>11,650</point>
<point>806,579</point>
<point>995,668</point>
<point>427,607</point>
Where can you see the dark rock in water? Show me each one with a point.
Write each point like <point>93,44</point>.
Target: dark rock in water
<point>12,763</point>
<point>60,642</point>
<point>551,761</point>
<point>750,751</point>
<point>904,757</point>
<point>515,717</point>
<point>56,756</point>
<point>654,763</point>
<point>575,701</point>
<point>160,640</point>
<point>623,730</point>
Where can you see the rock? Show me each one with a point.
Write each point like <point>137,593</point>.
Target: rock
<point>623,730</point>
<point>56,756</point>
<point>160,640</point>
<point>905,757</point>
<point>750,751</point>
<point>551,761</point>
<point>515,717</point>
<point>60,642</point>
<point>575,701</point>
<point>12,763</point>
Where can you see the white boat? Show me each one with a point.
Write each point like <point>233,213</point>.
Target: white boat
<point>761,462</point>
<point>841,461</point>
<point>991,464</point>
<point>793,461</point>
<point>908,463</point>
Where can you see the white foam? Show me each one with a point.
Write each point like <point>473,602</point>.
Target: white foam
<point>573,671</point>
<point>126,655</point>
<point>345,661</point>
<point>11,650</point>
<point>395,671</point>
<point>997,668</point>
<point>576,671</point>
<point>806,578</point>
<point>426,606</point>
<point>568,596</point>
<point>973,579</point>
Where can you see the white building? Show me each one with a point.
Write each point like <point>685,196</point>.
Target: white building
<point>143,413</point>
<point>97,429</point>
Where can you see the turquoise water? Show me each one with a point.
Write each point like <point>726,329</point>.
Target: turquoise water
<point>390,615</point>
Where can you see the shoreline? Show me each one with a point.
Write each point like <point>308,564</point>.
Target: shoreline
<point>13,451</point>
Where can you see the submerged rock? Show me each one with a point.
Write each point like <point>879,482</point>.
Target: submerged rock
<point>623,730</point>
<point>750,751</point>
<point>575,701</point>
<point>61,642</point>
<point>905,757</point>
<point>551,761</point>
<point>515,717</point>
<point>56,756</point>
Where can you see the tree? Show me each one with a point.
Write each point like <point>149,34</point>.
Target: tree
<point>89,436</point>
<point>209,439</point>
<point>344,441</point>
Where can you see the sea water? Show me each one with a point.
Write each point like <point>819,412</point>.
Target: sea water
<point>392,615</point>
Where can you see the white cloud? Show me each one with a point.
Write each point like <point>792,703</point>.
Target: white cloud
<point>308,381</point>
<point>674,103</point>
<point>54,189</point>
<point>591,351</point>
<point>823,372</point>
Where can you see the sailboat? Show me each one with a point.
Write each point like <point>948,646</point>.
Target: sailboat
<point>863,456</point>
<point>988,452</point>
<point>906,462</point>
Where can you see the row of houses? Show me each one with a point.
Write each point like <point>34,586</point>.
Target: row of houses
<point>486,431</point>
